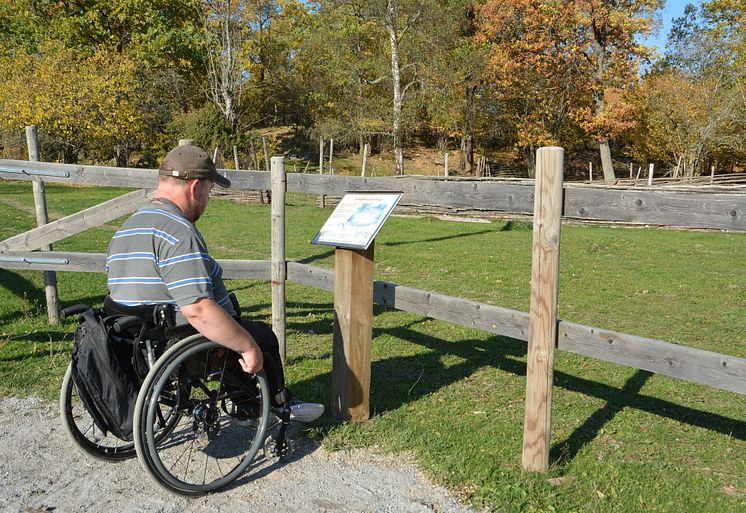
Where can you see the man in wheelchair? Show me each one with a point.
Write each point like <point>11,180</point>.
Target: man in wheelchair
<point>158,257</point>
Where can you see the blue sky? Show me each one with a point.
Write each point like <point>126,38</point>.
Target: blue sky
<point>673,9</point>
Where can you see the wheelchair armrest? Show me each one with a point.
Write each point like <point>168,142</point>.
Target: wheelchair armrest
<point>125,323</point>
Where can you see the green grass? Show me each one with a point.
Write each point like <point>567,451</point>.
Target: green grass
<point>623,440</point>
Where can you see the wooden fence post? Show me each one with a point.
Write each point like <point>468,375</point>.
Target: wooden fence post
<point>185,142</point>
<point>365,159</point>
<point>40,204</point>
<point>331,156</point>
<point>445,164</point>
<point>235,157</point>
<point>650,175</point>
<point>267,165</point>
<point>542,330</point>
<point>353,317</point>
<point>278,264</point>
<point>322,198</point>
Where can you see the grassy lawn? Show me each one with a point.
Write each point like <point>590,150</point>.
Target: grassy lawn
<point>449,397</point>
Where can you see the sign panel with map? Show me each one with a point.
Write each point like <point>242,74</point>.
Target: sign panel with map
<point>357,219</point>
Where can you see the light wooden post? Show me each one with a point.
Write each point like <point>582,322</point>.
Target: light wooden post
<point>321,155</point>
<point>40,204</point>
<point>445,164</point>
<point>267,165</point>
<point>279,268</point>
<point>542,330</point>
<point>365,158</point>
<point>331,156</point>
<point>630,170</point>
<point>235,157</point>
<point>712,174</point>
<point>353,317</point>
<point>590,171</point>
<point>322,198</point>
<point>650,175</point>
<point>185,142</point>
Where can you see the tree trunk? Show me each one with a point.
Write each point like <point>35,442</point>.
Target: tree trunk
<point>606,162</point>
<point>122,156</point>
<point>600,99</point>
<point>531,161</point>
<point>69,154</point>
<point>469,130</point>
<point>396,79</point>
<point>469,30</point>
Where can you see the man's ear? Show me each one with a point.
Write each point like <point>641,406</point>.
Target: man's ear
<point>192,186</point>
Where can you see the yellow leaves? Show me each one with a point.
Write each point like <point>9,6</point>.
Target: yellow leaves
<point>95,100</point>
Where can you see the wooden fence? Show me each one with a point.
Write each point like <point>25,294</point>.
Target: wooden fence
<point>649,206</point>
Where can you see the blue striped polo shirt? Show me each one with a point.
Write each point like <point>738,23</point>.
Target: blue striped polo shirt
<point>158,256</point>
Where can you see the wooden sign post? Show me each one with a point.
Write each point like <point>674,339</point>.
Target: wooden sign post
<point>542,328</point>
<point>352,229</point>
<point>353,318</point>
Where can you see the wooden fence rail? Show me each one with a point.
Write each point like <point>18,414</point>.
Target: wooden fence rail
<point>686,209</point>
<point>706,367</point>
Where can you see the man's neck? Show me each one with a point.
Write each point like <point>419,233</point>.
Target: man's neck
<point>177,199</point>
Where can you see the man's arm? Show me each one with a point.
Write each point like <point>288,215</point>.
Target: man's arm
<point>213,322</point>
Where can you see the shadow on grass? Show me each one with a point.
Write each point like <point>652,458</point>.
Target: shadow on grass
<point>437,239</point>
<point>37,347</point>
<point>563,452</point>
<point>392,378</point>
<point>330,253</point>
<point>21,287</point>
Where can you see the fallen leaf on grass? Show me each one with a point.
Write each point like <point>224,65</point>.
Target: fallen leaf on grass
<point>731,491</point>
<point>556,481</point>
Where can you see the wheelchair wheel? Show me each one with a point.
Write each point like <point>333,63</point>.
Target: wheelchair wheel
<point>81,428</point>
<point>223,415</point>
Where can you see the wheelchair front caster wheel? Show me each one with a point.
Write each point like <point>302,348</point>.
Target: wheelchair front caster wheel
<point>274,452</point>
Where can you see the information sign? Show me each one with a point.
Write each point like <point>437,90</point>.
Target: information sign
<point>357,219</point>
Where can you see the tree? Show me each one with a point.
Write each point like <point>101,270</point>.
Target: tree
<point>681,120</point>
<point>342,60</point>
<point>91,105</point>
<point>453,77</point>
<point>85,60</point>
<point>226,33</point>
<point>535,70</point>
<point>692,102</point>
<point>610,29</point>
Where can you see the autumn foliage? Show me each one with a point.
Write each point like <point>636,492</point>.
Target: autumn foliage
<point>119,81</point>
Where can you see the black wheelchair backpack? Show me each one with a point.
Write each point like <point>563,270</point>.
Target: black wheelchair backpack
<point>104,375</point>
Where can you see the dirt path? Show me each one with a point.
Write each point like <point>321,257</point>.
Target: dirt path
<point>41,471</point>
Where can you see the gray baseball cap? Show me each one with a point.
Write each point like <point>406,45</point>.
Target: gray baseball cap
<point>189,162</point>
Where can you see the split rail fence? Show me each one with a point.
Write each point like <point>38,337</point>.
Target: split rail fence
<point>548,198</point>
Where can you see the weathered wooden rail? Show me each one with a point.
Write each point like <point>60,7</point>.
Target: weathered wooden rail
<point>651,206</point>
<point>697,365</point>
<point>689,209</point>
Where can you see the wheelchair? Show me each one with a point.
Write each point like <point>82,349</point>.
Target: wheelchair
<point>199,420</point>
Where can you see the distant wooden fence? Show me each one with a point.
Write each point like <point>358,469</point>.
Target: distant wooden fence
<point>726,211</point>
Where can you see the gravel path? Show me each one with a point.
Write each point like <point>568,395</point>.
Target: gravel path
<point>42,471</point>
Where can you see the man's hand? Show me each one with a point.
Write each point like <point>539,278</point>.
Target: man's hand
<point>252,361</point>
